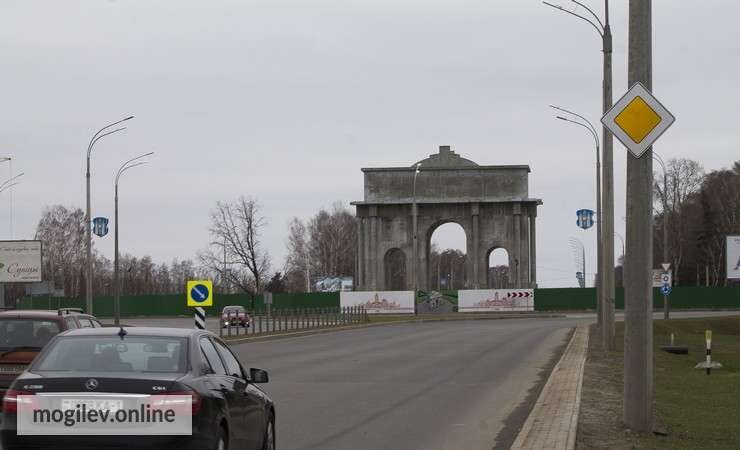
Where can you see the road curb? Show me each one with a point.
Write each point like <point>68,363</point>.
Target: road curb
<point>553,421</point>
<point>270,337</point>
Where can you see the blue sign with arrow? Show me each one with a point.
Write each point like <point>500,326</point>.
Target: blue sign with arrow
<point>666,289</point>
<point>585,218</point>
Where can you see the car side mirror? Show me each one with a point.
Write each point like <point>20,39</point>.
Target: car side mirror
<point>258,376</point>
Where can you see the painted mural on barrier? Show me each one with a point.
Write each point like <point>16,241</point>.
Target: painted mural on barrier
<point>380,302</point>
<point>486,300</point>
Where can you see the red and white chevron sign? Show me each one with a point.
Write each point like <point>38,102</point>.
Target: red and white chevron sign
<point>519,294</point>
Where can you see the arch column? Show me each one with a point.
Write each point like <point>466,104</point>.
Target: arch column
<point>474,247</point>
<point>516,250</point>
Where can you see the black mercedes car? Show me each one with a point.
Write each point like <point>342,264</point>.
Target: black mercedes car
<point>227,409</point>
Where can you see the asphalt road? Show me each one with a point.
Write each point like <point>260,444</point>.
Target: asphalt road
<point>459,385</point>
<point>432,386</point>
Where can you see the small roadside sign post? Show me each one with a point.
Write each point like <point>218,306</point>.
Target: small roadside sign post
<point>200,294</point>
<point>665,289</point>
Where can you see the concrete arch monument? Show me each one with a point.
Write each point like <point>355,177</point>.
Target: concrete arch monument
<point>399,214</point>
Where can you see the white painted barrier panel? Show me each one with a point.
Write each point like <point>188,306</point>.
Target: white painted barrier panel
<point>487,300</point>
<point>380,302</point>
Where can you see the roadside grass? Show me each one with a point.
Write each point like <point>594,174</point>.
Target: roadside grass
<point>698,411</point>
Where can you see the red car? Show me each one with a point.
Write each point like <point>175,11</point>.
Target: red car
<point>235,315</point>
<point>23,333</point>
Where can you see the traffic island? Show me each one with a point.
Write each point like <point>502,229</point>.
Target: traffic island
<point>692,410</point>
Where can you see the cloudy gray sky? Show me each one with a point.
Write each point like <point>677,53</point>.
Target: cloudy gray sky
<point>286,100</point>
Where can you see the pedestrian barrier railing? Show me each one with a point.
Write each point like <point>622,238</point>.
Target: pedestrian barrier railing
<point>287,320</point>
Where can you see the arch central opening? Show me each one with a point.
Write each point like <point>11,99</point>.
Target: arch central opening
<point>447,257</point>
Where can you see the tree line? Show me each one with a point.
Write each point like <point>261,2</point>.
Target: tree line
<point>235,257</point>
<point>699,210</point>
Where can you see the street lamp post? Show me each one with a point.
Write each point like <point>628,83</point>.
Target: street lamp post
<point>116,286</point>
<point>599,241</point>
<point>88,236</point>
<point>415,214</point>
<point>606,273</point>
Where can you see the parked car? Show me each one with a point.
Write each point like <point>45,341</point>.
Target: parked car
<point>236,316</point>
<point>227,409</point>
<point>23,333</point>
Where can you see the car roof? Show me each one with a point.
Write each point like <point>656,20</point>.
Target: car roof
<point>234,307</point>
<point>41,313</point>
<point>135,331</point>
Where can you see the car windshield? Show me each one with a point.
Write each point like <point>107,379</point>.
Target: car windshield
<point>26,333</point>
<point>233,310</point>
<point>112,354</point>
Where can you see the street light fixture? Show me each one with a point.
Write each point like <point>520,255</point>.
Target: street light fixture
<point>415,214</point>
<point>88,219</point>
<point>606,262</point>
<point>131,163</point>
<point>599,241</point>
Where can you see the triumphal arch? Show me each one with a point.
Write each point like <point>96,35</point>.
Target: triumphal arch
<point>404,205</point>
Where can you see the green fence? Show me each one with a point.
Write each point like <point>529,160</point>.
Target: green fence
<point>569,299</point>
<point>560,299</point>
<point>175,305</point>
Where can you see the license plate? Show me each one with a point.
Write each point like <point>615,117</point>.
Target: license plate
<point>104,405</point>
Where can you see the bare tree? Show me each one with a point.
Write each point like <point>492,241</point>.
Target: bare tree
<point>683,178</point>
<point>333,242</point>
<point>235,253</point>
<point>297,273</point>
<point>62,232</point>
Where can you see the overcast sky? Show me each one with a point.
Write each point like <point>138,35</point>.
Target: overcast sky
<point>287,100</point>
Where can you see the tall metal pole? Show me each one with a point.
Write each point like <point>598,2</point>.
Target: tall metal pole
<point>116,284</point>
<point>415,214</point>
<point>88,219</point>
<point>638,332</point>
<point>116,287</point>
<point>599,232</point>
<point>607,245</point>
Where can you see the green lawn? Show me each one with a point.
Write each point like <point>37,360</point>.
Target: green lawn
<point>698,411</point>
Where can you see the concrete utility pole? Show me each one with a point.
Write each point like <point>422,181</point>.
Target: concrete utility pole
<point>607,228</point>
<point>638,328</point>
<point>605,218</point>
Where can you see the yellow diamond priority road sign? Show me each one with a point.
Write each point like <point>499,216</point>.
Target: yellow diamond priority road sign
<point>638,119</point>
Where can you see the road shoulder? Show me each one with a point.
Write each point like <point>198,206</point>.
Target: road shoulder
<point>553,422</point>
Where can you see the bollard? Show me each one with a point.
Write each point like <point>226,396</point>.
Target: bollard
<point>708,338</point>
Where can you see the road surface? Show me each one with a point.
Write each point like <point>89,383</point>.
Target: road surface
<point>431,386</point>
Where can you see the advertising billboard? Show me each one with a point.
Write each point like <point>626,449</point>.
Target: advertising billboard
<point>733,257</point>
<point>487,300</point>
<point>380,302</point>
<point>20,261</point>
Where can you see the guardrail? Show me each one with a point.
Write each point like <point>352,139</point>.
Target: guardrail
<point>285,320</point>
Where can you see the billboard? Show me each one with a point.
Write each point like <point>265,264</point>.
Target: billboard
<point>488,300</point>
<point>20,261</point>
<point>733,257</point>
<point>380,302</point>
